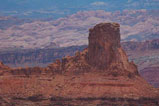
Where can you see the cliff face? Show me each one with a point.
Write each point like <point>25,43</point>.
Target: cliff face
<point>104,41</point>
<point>105,52</point>
<point>99,75</point>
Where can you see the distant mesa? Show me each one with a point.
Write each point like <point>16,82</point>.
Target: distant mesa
<point>148,45</point>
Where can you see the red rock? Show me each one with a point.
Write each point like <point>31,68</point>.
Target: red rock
<point>104,41</point>
<point>105,52</point>
<point>99,75</point>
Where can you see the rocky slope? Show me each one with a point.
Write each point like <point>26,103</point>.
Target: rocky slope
<point>99,75</point>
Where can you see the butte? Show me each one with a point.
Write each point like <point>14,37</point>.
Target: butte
<point>100,75</point>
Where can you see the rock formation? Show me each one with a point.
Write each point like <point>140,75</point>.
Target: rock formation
<point>104,41</point>
<point>99,75</point>
<point>105,52</point>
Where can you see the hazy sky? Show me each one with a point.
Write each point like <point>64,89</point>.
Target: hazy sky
<point>59,8</point>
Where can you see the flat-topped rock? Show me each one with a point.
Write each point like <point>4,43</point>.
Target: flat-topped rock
<point>104,40</point>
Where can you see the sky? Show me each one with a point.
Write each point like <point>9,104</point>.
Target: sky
<point>61,8</point>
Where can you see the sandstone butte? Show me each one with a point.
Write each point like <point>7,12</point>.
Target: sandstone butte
<point>100,75</point>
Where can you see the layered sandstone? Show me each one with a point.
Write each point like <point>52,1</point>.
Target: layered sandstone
<point>99,75</point>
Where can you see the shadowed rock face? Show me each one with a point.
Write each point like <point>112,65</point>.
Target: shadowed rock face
<point>105,52</point>
<point>104,41</point>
